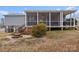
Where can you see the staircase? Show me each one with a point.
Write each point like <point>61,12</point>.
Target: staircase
<point>21,28</point>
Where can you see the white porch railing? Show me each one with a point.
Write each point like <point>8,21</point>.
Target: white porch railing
<point>53,23</point>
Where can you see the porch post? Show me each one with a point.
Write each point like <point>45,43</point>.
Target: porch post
<point>14,29</point>
<point>74,19</point>
<point>49,20</point>
<point>70,21</point>
<point>25,19</point>
<point>37,17</point>
<point>6,29</point>
<point>61,20</point>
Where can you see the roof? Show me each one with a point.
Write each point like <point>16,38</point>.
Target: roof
<point>14,15</point>
<point>50,10</point>
<point>54,11</point>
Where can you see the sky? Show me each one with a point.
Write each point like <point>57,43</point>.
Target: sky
<point>20,9</point>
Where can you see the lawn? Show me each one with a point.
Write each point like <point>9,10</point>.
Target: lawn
<point>67,40</point>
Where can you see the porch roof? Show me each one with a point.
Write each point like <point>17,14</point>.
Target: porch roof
<point>65,12</point>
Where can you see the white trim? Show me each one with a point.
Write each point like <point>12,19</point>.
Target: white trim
<point>71,11</point>
<point>4,21</point>
<point>49,19</point>
<point>55,26</point>
<point>25,20</point>
<point>70,20</point>
<point>14,29</point>
<point>61,19</point>
<point>6,28</point>
<point>37,17</point>
<point>74,19</point>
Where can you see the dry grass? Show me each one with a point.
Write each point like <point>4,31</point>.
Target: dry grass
<point>54,41</point>
<point>3,35</point>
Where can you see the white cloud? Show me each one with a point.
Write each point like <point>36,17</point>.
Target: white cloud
<point>58,9</point>
<point>3,12</point>
<point>71,8</point>
<point>76,13</point>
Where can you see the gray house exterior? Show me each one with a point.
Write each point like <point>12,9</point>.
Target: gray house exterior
<point>13,21</point>
<point>52,18</point>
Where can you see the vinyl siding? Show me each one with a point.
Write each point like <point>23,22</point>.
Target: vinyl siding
<point>14,20</point>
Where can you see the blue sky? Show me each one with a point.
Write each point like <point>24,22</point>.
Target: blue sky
<point>20,9</point>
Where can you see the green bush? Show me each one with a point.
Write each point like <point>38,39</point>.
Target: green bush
<point>39,30</point>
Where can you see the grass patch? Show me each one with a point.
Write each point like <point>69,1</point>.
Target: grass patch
<point>54,34</point>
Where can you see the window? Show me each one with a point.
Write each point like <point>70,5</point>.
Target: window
<point>31,19</point>
<point>44,17</point>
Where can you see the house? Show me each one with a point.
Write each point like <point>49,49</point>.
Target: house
<point>52,18</point>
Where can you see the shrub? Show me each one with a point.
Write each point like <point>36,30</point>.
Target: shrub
<point>39,30</point>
